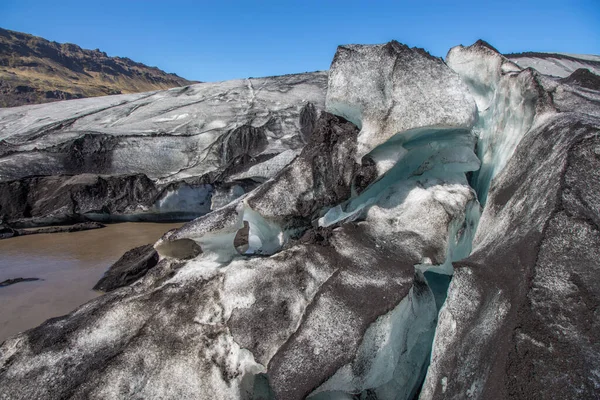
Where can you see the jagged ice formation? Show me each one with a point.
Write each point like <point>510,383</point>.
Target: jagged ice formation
<point>326,280</point>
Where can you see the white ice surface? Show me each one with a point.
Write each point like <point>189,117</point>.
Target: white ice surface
<point>186,199</point>
<point>559,65</point>
<point>508,103</point>
<point>269,168</point>
<point>388,89</point>
<point>168,135</point>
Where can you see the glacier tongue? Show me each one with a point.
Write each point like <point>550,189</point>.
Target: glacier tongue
<point>301,296</point>
<point>325,281</point>
<point>168,135</point>
<point>182,141</point>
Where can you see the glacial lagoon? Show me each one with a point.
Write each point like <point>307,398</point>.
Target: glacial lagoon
<point>67,265</point>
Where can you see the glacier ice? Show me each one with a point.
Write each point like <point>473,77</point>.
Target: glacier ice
<point>509,101</point>
<point>225,195</point>
<point>186,199</point>
<point>221,134</point>
<point>430,154</point>
<point>264,237</point>
<point>392,349</point>
<point>326,280</point>
<point>268,169</point>
<point>400,89</point>
<point>506,316</point>
<point>556,64</point>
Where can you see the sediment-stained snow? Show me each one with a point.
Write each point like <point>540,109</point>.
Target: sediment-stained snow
<point>168,135</point>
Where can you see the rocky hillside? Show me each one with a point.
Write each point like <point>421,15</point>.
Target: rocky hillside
<point>35,70</point>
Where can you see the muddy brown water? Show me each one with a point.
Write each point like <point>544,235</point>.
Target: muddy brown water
<point>68,264</point>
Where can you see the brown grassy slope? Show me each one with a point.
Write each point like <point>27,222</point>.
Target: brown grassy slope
<point>35,70</point>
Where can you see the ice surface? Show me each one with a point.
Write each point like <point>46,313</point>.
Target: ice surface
<point>426,154</point>
<point>223,196</point>
<point>215,233</point>
<point>168,135</point>
<point>460,240</point>
<point>348,309</point>
<point>393,349</point>
<point>557,64</point>
<point>269,168</point>
<point>186,199</point>
<point>496,325</point>
<point>264,237</point>
<point>388,89</point>
<point>508,100</point>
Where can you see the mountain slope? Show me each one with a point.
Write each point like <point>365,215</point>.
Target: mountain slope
<point>35,70</point>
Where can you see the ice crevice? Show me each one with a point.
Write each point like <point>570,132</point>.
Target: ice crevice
<point>422,169</point>
<point>509,103</point>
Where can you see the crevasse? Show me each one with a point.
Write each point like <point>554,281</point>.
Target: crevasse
<point>509,102</point>
<point>395,350</point>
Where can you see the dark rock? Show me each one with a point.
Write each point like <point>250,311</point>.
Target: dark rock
<point>130,267</point>
<point>366,174</point>
<point>84,226</point>
<point>66,199</point>
<point>317,235</point>
<point>6,231</point>
<point>62,95</point>
<point>9,282</point>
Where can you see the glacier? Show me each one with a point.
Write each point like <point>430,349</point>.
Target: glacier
<point>531,212</point>
<point>418,228</point>
<point>191,144</point>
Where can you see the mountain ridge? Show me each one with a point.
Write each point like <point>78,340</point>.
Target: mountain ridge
<point>34,70</point>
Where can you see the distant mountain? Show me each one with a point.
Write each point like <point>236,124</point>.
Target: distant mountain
<point>35,70</point>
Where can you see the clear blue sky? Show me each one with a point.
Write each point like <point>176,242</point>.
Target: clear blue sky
<point>220,39</point>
